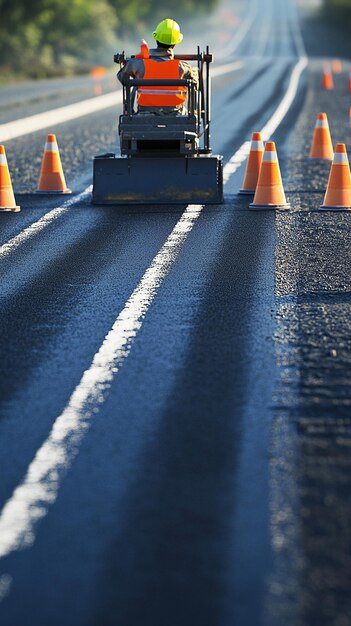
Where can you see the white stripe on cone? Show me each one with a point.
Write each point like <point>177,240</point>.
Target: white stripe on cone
<point>51,146</point>
<point>270,156</point>
<point>340,158</point>
<point>322,124</point>
<point>257,145</point>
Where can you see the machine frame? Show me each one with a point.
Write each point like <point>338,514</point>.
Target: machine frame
<point>164,158</point>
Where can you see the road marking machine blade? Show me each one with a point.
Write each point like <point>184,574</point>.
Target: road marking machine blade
<point>157,180</point>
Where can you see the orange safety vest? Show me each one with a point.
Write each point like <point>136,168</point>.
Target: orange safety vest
<point>161,96</point>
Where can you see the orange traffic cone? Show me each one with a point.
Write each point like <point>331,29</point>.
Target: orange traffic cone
<point>322,147</point>
<point>337,66</point>
<point>338,194</point>
<point>269,192</point>
<point>7,198</point>
<point>327,79</point>
<point>253,166</point>
<point>52,179</point>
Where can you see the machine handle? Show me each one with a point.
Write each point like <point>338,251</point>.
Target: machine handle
<point>162,82</point>
<point>121,57</point>
<point>207,58</point>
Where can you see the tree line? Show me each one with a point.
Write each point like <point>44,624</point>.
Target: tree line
<point>53,37</point>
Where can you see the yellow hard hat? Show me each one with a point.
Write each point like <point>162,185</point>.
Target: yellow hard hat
<point>168,32</point>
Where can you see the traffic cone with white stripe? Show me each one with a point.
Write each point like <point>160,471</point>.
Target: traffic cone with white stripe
<point>52,179</point>
<point>253,166</point>
<point>270,192</point>
<point>7,198</point>
<point>322,147</point>
<point>338,194</point>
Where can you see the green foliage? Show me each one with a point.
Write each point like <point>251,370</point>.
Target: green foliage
<point>50,37</point>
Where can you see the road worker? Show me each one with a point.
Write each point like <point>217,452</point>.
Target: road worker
<point>151,64</point>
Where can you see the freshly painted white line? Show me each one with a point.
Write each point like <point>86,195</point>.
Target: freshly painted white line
<point>236,161</point>
<point>287,101</point>
<point>31,499</point>
<point>50,119</point>
<point>43,222</point>
<point>267,131</point>
<point>226,68</point>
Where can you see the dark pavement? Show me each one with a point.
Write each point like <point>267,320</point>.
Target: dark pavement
<point>212,486</point>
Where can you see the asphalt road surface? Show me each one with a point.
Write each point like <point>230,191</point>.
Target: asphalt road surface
<point>175,381</point>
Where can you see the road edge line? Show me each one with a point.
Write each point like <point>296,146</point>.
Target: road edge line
<point>27,233</point>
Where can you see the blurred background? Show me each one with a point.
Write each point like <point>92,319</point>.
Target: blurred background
<point>44,38</point>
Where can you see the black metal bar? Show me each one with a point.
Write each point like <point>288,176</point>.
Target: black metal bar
<point>208,58</point>
<point>121,57</point>
<point>198,101</point>
<point>208,104</point>
<point>202,100</point>
<point>128,101</point>
<point>191,99</point>
<point>161,82</point>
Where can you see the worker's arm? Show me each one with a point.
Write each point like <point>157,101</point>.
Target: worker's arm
<point>190,72</point>
<point>134,68</point>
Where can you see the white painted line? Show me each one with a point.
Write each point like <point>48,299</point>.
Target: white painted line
<point>226,68</point>
<point>43,222</point>
<point>287,101</point>
<point>31,499</point>
<point>52,118</point>
<point>241,155</point>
